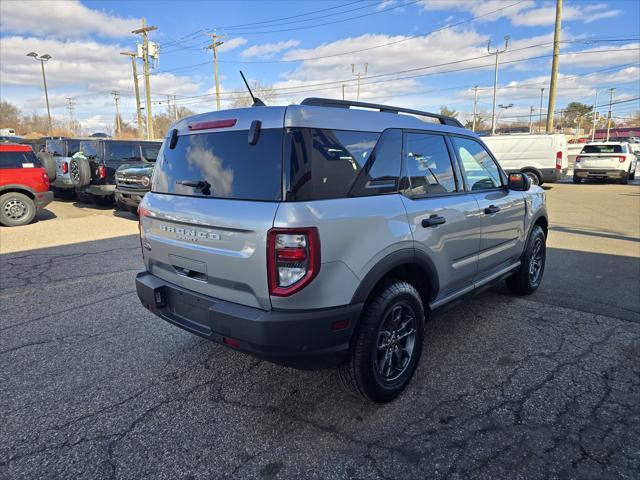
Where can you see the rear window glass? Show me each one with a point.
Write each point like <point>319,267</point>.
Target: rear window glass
<point>326,163</point>
<point>602,149</point>
<point>223,165</point>
<point>122,151</point>
<point>150,152</point>
<point>56,148</point>
<point>73,146</point>
<point>89,149</point>
<point>26,159</point>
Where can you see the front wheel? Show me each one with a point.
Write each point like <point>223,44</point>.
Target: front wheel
<point>526,279</point>
<point>387,344</point>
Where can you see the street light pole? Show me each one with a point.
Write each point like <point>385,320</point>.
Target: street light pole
<point>475,107</point>
<point>497,53</point>
<point>42,59</point>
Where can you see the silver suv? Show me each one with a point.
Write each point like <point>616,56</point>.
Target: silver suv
<point>319,235</point>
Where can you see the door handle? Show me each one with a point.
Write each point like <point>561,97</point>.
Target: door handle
<point>433,220</point>
<point>491,209</point>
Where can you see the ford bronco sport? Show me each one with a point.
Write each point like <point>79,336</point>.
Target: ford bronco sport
<point>319,235</point>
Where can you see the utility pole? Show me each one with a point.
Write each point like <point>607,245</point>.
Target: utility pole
<point>343,91</point>
<point>595,119</point>
<point>497,53</point>
<point>175,108</point>
<point>531,109</point>
<point>359,74</point>
<point>475,107</point>
<point>215,43</point>
<point>611,90</point>
<point>144,31</point>
<point>71,106</point>
<point>116,97</point>
<point>42,59</point>
<point>554,67</point>
<point>541,96</point>
<point>133,55</point>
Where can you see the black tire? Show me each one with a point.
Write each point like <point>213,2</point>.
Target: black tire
<point>576,179</point>
<point>625,179</point>
<point>16,209</point>
<point>84,198</point>
<point>361,372</point>
<point>104,200</point>
<point>49,164</point>
<point>533,176</point>
<point>527,278</point>
<point>134,210</point>
<point>632,176</point>
<point>80,171</point>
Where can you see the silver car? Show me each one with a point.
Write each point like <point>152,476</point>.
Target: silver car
<point>319,235</point>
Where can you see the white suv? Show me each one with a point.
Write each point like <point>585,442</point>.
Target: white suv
<point>605,160</point>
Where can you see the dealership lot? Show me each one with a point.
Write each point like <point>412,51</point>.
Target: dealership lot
<point>94,386</point>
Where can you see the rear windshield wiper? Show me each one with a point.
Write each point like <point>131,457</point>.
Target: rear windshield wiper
<point>202,185</point>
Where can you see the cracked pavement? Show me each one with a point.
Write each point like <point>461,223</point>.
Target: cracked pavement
<point>95,387</point>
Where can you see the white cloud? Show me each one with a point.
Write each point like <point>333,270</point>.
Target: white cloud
<point>268,50</point>
<point>528,13</point>
<point>231,44</point>
<point>68,18</point>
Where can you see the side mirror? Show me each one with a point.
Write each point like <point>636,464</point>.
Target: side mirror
<point>519,182</point>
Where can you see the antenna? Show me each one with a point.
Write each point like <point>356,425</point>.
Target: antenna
<point>256,101</point>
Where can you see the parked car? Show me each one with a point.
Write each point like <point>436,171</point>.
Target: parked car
<point>320,235</point>
<point>605,161</point>
<point>93,171</point>
<point>24,185</point>
<point>132,183</point>
<point>544,158</point>
<point>60,152</point>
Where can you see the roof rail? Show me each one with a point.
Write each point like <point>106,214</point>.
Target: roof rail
<point>329,102</point>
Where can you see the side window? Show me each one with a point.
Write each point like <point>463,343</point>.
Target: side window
<point>324,164</point>
<point>479,169</point>
<point>381,173</point>
<point>22,159</point>
<point>429,165</point>
<point>123,151</point>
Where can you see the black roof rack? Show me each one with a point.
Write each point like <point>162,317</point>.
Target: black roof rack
<point>329,102</point>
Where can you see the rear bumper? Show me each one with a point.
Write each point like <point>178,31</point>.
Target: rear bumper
<point>100,190</point>
<point>296,338</point>
<point>599,173</point>
<point>63,182</point>
<point>128,198</point>
<point>43,199</point>
<point>552,174</point>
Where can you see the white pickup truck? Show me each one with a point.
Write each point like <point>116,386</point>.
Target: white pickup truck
<point>606,161</point>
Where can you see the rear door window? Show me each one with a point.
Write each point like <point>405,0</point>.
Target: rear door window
<point>128,151</point>
<point>56,148</point>
<point>325,164</point>
<point>429,166</point>
<point>25,159</point>
<point>223,165</point>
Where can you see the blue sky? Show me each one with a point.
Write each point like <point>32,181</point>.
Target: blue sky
<point>419,53</point>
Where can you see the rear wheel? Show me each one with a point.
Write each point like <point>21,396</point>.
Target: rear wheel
<point>625,179</point>
<point>16,209</point>
<point>576,179</point>
<point>387,344</point>
<point>528,277</point>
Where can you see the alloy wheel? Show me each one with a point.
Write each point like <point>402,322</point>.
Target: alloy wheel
<point>396,341</point>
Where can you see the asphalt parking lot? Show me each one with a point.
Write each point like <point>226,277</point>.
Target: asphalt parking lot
<point>94,386</point>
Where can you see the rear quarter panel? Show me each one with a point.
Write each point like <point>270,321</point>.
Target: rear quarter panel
<point>355,234</point>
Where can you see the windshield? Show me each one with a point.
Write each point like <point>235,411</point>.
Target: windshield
<point>602,149</point>
<point>223,165</point>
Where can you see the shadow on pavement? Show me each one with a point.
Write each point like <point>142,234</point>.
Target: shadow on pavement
<point>595,233</point>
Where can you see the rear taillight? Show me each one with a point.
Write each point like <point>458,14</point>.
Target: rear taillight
<point>578,159</point>
<point>102,172</point>
<point>293,259</point>
<point>622,159</point>
<point>144,244</point>
<point>45,179</point>
<point>559,161</point>
<point>65,167</point>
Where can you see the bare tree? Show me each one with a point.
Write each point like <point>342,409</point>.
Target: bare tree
<point>266,93</point>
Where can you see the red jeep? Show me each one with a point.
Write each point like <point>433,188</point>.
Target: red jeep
<point>24,185</point>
